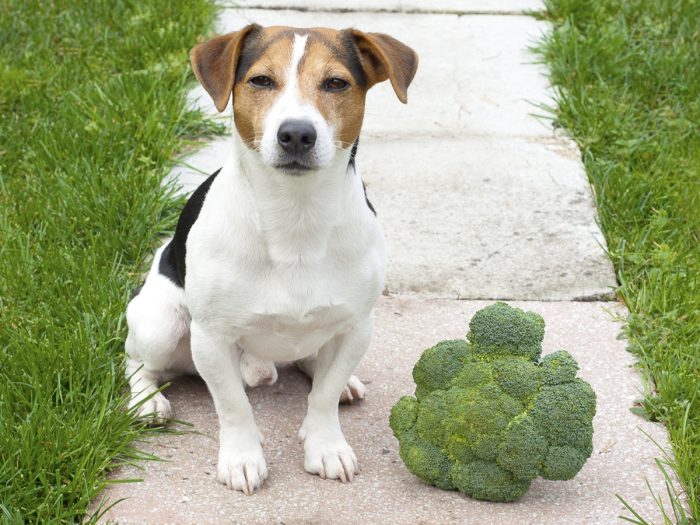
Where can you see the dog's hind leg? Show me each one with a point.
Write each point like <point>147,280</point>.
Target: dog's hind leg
<point>354,389</point>
<point>144,393</point>
<point>256,372</point>
<point>157,345</point>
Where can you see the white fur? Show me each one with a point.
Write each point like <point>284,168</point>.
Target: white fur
<point>279,268</point>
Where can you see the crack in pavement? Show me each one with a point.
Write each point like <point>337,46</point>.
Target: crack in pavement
<point>406,11</point>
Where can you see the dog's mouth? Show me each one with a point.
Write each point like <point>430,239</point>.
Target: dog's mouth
<point>294,168</point>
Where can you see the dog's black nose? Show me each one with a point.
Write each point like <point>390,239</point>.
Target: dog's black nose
<point>296,137</point>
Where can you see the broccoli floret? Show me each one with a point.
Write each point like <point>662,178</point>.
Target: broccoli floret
<point>486,480</point>
<point>403,415</point>
<point>474,373</point>
<point>517,377</point>
<point>432,423</point>
<point>478,416</point>
<point>438,365</point>
<point>489,416</point>
<point>499,328</point>
<point>426,461</point>
<point>564,413</point>
<point>559,367</point>
<point>522,449</point>
<point>563,463</point>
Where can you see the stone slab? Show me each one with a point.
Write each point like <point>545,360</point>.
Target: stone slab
<point>477,218</point>
<point>405,6</point>
<point>476,75</point>
<point>487,218</point>
<point>182,489</point>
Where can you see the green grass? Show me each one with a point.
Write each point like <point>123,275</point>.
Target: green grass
<point>91,111</point>
<point>628,81</point>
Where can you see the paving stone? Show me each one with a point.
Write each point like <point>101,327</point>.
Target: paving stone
<point>412,6</point>
<point>486,218</point>
<point>182,489</point>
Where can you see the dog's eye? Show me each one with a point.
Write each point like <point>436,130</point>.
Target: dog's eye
<point>335,84</point>
<point>262,81</point>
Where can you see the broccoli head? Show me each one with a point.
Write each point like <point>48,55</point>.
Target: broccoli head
<point>489,415</point>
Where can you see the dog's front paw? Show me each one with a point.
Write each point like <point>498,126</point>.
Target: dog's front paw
<point>242,467</point>
<point>329,458</point>
<point>156,409</point>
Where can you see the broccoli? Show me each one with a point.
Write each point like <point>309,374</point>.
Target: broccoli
<point>489,415</point>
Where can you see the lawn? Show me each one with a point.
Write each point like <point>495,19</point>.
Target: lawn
<point>628,81</point>
<point>91,110</point>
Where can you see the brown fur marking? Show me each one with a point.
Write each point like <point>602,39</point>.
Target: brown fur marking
<point>214,63</point>
<point>251,104</point>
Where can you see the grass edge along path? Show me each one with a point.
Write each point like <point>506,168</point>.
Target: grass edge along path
<point>627,78</point>
<point>92,109</point>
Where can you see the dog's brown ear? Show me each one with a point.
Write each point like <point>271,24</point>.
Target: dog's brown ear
<point>385,57</point>
<point>214,64</point>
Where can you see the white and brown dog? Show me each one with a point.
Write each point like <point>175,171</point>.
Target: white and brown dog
<point>278,256</point>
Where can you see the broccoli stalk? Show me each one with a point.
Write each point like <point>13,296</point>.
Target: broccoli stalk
<point>489,415</point>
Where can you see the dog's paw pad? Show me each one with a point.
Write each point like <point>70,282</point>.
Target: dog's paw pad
<point>156,409</point>
<point>242,470</point>
<point>331,461</point>
<point>354,390</point>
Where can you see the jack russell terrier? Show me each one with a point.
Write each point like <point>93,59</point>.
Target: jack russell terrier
<point>278,256</point>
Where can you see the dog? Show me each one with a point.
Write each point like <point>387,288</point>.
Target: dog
<point>278,256</point>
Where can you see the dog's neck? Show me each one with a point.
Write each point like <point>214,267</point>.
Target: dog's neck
<point>297,213</point>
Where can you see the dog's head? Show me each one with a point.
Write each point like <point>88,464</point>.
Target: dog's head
<point>299,94</point>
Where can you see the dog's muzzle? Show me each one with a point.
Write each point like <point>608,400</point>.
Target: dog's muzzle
<point>297,139</point>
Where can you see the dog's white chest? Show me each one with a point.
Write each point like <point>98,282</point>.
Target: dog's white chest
<point>290,336</point>
<point>283,288</point>
<point>284,315</point>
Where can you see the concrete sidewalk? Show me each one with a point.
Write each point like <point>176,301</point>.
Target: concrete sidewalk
<point>479,200</point>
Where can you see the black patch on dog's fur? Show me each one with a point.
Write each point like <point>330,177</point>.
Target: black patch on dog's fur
<point>167,266</point>
<point>172,260</point>
<point>369,204</point>
<point>353,152</point>
<point>252,48</point>
<point>351,164</point>
<point>351,57</point>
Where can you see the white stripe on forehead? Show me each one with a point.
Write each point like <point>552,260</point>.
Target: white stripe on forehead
<point>297,53</point>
